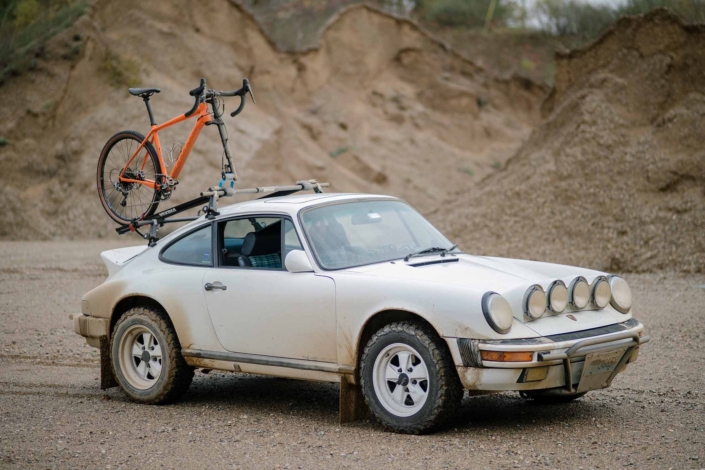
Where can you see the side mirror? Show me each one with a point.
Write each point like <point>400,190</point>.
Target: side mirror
<point>297,262</point>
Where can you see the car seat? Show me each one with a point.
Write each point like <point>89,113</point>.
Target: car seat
<point>262,249</point>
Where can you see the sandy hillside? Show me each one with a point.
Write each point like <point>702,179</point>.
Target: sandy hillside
<point>615,176</point>
<point>378,106</point>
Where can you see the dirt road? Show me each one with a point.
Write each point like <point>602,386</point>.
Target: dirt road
<point>52,414</point>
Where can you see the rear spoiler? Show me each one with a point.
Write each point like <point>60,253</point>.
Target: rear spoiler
<point>115,260</point>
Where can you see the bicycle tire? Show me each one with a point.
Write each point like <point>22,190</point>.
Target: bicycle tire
<point>145,205</point>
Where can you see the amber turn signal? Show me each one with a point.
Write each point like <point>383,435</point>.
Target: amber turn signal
<point>498,356</point>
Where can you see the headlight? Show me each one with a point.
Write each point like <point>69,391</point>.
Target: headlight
<point>579,293</point>
<point>601,292</point>
<point>557,296</point>
<point>621,294</point>
<point>534,302</point>
<point>497,311</point>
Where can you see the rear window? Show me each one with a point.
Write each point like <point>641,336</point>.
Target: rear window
<point>194,249</point>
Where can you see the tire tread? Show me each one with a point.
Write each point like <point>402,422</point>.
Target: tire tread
<point>180,375</point>
<point>451,391</point>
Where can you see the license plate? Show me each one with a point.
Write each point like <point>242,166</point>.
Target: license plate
<point>597,369</point>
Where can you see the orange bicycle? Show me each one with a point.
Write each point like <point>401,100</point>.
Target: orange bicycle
<point>131,183</point>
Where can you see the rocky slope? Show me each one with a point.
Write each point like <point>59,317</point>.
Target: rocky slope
<point>378,106</point>
<point>615,177</point>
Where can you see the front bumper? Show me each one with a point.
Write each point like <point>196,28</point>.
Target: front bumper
<point>557,362</point>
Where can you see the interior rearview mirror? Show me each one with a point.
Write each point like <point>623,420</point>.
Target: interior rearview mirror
<point>369,218</point>
<point>297,262</point>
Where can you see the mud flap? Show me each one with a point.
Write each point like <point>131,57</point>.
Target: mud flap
<point>107,378</point>
<point>352,403</point>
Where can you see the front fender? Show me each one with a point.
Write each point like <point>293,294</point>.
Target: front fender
<point>453,312</point>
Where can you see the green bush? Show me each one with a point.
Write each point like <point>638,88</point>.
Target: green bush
<point>574,18</point>
<point>122,72</point>
<point>25,25</point>
<point>583,21</point>
<point>26,12</point>
<point>691,11</point>
<point>471,13</point>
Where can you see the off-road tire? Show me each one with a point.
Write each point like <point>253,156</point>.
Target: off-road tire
<point>551,396</point>
<point>100,183</point>
<point>445,391</point>
<point>176,376</point>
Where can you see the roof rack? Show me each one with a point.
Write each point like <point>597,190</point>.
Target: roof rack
<point>209,201</point>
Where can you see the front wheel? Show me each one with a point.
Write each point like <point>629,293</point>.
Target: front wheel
<point>125,201</point>
<point>408,378</point>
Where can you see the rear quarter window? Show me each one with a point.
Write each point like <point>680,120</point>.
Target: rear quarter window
<point>194,249</point>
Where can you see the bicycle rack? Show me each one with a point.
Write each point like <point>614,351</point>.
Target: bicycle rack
<point>209,202</point>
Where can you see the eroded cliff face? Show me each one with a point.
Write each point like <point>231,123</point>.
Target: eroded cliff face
<point>614,178</point>
<point>378,106</point>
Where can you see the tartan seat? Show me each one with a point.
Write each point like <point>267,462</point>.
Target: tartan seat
<point>266,261</point>
<point>262,249</point>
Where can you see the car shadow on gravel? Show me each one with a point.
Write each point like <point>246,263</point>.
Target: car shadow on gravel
<point>257,394</point>
<point>317,403</point>
<point>504,411</point>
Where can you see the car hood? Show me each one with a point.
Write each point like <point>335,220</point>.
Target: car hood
<point>508,277</point>
<point>480,273</point>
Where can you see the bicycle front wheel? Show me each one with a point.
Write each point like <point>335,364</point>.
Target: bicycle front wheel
<point>126,201</point>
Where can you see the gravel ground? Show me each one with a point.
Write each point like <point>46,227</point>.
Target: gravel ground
<point>52,413</point>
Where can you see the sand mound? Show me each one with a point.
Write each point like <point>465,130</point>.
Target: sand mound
<point>378,106</point>
<point>615,177</point>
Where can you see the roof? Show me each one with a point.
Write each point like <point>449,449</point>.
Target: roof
<point>291,204</point>
<point>287,204</point>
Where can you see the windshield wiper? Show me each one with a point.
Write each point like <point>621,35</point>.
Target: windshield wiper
<point>433,249</point>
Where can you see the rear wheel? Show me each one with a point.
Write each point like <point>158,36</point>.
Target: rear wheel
<point>127,201</point>
<point>146,357</point>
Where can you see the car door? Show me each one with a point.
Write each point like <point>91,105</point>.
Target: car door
<point>256,305</point>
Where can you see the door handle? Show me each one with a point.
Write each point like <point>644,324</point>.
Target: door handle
<point>210,287</point>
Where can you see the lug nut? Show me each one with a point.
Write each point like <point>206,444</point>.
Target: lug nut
<point>413,382</point>
<point>406,389</point>
<point>409,369</point>
<point>399,370</point>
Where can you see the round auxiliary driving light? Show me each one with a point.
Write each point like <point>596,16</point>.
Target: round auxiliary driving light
<point>600,293</point>
<point>534,302</point>
<point>557,296</point>
<point>579,293</point>
<point>621,294</point>
<point>497,311</point>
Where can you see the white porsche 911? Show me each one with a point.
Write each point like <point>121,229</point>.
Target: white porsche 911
<point>360,290</point>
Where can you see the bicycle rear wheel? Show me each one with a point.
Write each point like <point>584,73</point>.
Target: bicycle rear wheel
<point>127,201</point>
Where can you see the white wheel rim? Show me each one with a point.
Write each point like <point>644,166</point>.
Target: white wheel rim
<point>400,380</point>
<point>140,357</point>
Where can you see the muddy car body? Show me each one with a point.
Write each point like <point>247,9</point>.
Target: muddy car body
<point>335,287</point>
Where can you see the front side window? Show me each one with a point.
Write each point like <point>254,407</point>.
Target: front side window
<point>193,249</point>
<point>353,234</point>
<point>253,242</point>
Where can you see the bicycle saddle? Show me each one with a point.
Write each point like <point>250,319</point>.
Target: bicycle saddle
<point>143,91</point>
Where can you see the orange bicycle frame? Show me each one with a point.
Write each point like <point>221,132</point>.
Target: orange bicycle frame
<point>202,117</point>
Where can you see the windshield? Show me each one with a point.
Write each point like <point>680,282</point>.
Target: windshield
<point>357,233</point>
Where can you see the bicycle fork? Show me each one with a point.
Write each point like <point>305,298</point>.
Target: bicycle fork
<point>228,174</point>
